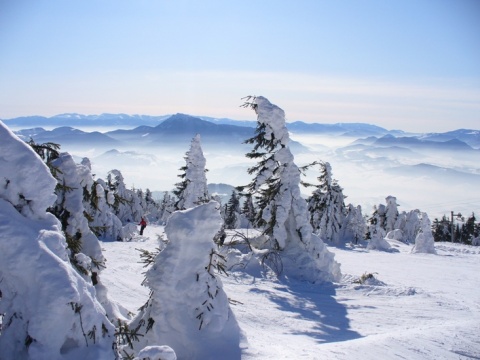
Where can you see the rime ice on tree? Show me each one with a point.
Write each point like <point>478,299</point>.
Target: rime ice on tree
<point>188,309</point>
<point>327,206</point>
<point>49,310</point>
<point>424,242</point>
<point>192,190</point>
<point>283,212</point>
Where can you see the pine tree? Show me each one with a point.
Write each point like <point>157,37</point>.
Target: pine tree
<point>69,209</point>
<point>391,213</point>
<point>248,210</point>
<point>442,229</point>
<point>232,211</point>
<point>354,226</point>
<point>468,230</point>
<point>376,223</point>
<point>282,212</point>
<point>167,207</point>
<point>326,206</point>
<point>192,190</point>
<point>424,242</point>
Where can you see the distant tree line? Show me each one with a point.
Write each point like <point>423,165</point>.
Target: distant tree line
<point>466,233</point>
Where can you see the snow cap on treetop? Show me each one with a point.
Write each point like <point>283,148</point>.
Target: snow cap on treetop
<point>274,117</point>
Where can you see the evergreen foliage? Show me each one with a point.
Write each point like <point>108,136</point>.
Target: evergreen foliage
<point>281,212</point>
<point>232,211</point>
<point>192,190</point>
<point>327,205</point>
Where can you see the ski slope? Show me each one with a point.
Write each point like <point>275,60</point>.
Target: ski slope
<point>417,306</point>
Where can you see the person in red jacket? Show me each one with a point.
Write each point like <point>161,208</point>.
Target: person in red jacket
<point>143,225</point>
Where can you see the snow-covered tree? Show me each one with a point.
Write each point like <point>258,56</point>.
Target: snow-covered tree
<point>127,205</point>
<point>282,212</point>
<point>49,311</point>
<point>248,211</point>
<point>412,225</point>
<point>354,226</point>
<point>232,212</point>
<point>84,248</point>
<point>167,207</point>
<point>192,190</point>
<point>391,213</point>
<point>424,242</point>
<point>327,206</point>
<point>98,201</point>
<point>188,309</point>
<point>376,223</point>
<point>69,209</point>
<point>152,208</point>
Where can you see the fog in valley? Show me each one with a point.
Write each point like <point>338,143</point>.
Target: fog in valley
<point>434,180</point>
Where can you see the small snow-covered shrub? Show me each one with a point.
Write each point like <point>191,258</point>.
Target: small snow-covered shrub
<point>365,278</point>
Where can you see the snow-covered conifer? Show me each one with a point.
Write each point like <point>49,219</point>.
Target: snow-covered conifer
<point>192,190</point>
<point>354,226</point>
<point>391,213</point>
<point>167,207</point>
<point>424,242</point>
<point>248,212</point>
<point>412,226</point>
<point>152,208</point>
<point>126,204</point>
<point>327,206</point>
<point>98,202</point>
<point>188,309</point>
<point>49,311</point>
<point>85,250</point>
<point>376,223</point>
<point>71,212</point>
<point>282,212</point>
<point>232,212</point>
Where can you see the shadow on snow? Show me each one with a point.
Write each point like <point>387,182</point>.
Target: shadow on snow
<point>314,303</point>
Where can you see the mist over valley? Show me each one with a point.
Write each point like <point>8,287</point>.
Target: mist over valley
<point>434,172</point>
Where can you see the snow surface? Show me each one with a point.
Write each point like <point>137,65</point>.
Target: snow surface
<point>416,306</point>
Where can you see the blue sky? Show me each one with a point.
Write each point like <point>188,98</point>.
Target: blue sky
<point>410,65</point>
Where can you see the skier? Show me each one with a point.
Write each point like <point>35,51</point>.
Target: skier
<point>143,225</point>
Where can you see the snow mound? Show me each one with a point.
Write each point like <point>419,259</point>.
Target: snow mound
<point>157,353</point>
<point>449,248</point>
<point>30,195</point>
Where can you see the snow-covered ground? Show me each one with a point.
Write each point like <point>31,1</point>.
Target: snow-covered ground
<point>417,306</point>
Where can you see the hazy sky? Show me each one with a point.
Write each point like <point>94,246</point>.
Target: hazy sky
<point>400,64</point>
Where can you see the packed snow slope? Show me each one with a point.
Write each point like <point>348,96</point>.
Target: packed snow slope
<point>416,306</point>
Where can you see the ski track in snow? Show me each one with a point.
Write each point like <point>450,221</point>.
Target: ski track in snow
<point>420,306</point>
